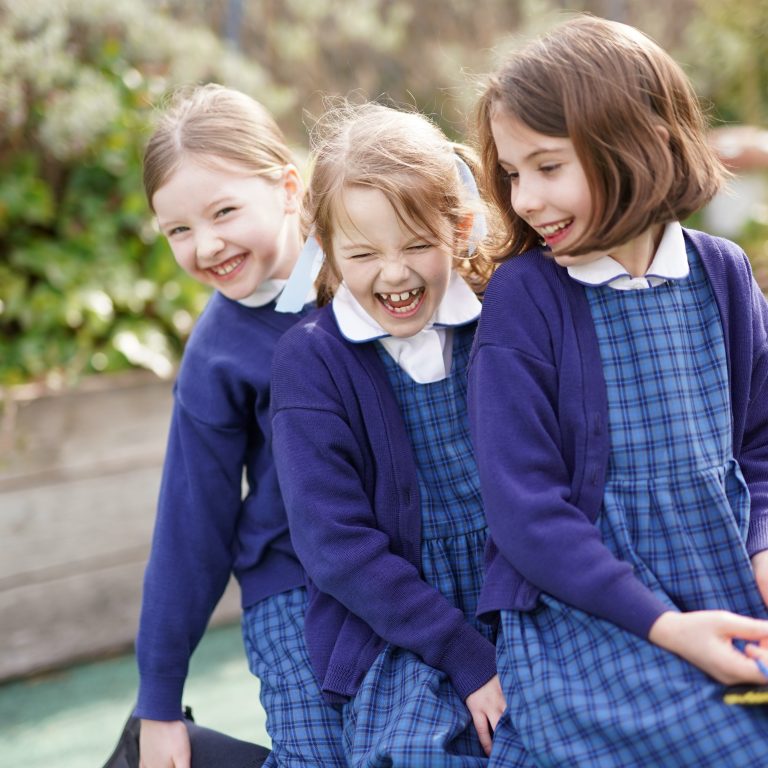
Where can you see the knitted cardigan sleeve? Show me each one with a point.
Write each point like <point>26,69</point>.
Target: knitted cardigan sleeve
<point>321,461</point>
<point>531,434</point>
<point>753,453</point>
<point>744,315</point>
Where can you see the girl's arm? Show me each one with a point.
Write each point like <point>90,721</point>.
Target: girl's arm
<point>753,456</point>
<point>326,469</point>
<point>335,534</point>
<point>527,491</point>
<point>191,557</point>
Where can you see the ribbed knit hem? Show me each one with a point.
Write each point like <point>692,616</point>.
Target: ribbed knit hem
<point>470,661</point>
<point>160,698</point>
<point>757,539</point>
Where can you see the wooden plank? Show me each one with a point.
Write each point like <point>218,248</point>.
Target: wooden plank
<point>82,616</point>
<point>79,477</point>
<point>105,424</point>
<point>60,528</point>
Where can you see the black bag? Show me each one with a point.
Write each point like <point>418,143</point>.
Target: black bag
<point>210,749</point>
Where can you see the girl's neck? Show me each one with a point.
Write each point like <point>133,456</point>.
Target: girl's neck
<point>289,244</point>
<point>636,255</point>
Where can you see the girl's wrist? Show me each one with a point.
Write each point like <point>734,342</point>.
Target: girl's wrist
<point>664,630</point>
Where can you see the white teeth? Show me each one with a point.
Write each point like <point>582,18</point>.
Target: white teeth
<point>552,228</point>
<point>224,269</point>
<point>400,296</point>
<point>408,308</point>
<point>415,294</point>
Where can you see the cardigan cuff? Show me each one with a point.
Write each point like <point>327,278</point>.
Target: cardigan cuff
<point>160,698</point>
<point>470,661</point>
<point>757,538</point>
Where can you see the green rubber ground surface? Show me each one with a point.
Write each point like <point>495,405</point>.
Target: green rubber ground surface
<point>73,718</point>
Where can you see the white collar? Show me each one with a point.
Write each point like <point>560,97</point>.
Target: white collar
<point>670,262</point>
<point>426,357</point>
<point>267,291</point>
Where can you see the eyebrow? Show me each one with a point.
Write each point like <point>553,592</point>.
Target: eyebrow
<point>219,200</point>
<point>356,247</point>
<point>533,155</point>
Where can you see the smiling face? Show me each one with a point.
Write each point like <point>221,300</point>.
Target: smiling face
<point>548,186</point>
<point>397,275</point>
<point>227,228</point>
<point>550,192</point>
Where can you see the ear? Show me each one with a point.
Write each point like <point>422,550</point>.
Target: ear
<point>293,188</point>
<point>663,133</point>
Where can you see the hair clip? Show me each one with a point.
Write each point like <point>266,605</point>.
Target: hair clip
<point>308,264</point>
<point>479,226</point>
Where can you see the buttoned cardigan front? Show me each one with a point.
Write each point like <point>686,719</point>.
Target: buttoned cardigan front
<point>539,418</point>
<point>348,477</point>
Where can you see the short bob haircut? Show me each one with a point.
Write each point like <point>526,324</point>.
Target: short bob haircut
<point>404,155</point>
<point>212,122</point>
<point>617,96</point>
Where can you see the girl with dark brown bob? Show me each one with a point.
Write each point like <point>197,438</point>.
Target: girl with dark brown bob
<point>619,410</point>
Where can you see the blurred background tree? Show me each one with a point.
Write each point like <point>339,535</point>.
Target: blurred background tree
<point>86,284</point>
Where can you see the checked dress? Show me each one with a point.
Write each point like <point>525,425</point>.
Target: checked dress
<point>406,712</point>
<point>677,508</point>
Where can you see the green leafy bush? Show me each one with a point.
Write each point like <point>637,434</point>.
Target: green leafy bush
<point>86,283</point>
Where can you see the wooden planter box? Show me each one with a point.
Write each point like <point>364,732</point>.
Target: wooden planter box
<point>79,476</point>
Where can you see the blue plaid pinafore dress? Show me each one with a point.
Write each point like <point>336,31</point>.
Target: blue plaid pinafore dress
<point>305,730</point>
<point>406,712</point>
<point>677,508</point>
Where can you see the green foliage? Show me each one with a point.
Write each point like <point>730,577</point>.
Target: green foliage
<point>86,284</point>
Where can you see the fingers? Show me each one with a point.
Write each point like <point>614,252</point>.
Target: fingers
<point>744,627</point>
<point>494,716</point>
<point>483,731</point>
<point>737,668</point>
<point>760,657</point>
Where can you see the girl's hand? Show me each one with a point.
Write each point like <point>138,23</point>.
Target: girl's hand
<point>164,744</point>
<point>705,639</point>
<point>486,705</point>
<point>760,567</point>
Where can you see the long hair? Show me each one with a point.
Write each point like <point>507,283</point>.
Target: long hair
<point>212,121</point>
<point>406,157</point>
<point>632,115</point>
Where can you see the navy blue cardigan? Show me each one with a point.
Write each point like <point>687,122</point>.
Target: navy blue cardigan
<point>539,419</point>
<point>348,477</point>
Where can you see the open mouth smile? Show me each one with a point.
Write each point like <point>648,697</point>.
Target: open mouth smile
<point>227,267</point>
<point>403,303</point>
<point>554,233</point>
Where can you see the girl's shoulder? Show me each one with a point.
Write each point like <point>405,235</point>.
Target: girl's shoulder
<point>313,349</point>
<point>524,286</point>
<point>315,332</point>
<point>712,247</point>
<point>721,257</point>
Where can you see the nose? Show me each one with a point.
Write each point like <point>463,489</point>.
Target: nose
<point>207,244</point>
<point>394,270</point>
<point>525,197</point>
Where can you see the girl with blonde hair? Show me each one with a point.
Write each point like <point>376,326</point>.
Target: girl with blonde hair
<point>372,446</point>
